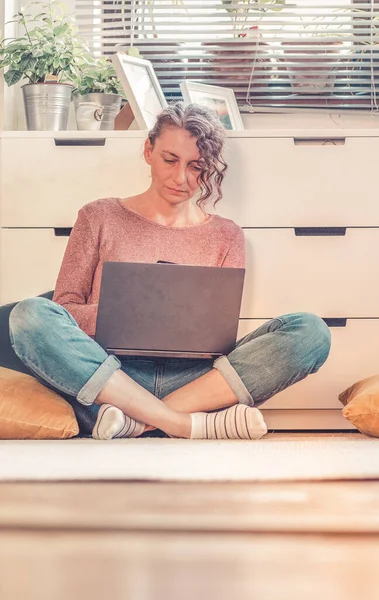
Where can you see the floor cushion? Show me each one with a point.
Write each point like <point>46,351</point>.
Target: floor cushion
<point>361,405</point>
<point>29,410</point>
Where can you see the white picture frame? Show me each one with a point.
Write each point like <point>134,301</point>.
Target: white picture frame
<point>142,88</point>
<point>220,99</point>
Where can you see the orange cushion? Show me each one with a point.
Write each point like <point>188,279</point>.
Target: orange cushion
<point>31,411</point>
<point>361,402</point>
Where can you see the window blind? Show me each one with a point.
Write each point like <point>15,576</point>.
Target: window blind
<point>305,54</point>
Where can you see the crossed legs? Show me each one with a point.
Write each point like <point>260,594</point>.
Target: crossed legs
<point>279,353</point>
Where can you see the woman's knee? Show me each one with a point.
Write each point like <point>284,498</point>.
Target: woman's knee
<point>28,316</point>
<point>317,336</point>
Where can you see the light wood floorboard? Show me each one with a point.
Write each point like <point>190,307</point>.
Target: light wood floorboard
<point>336,507</point>
<point>178,566</point>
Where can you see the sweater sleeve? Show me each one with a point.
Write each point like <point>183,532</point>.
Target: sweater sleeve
<point>74,283</point>
<point>235,256</point>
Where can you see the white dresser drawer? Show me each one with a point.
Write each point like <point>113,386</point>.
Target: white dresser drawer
<point>30,262</point>
<point>274,182</point>
<point>44,185</point>
<point>332,276</point>
<point>354,355</point>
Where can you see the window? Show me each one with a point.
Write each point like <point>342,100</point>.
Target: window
<point>306,53</point>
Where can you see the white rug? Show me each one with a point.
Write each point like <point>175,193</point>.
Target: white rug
<point>155,459</point>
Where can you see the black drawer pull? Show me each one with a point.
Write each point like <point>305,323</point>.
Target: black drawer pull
<point>310,231</point>
<point>335,322</point>
<point>333,141</point>
<point>80,141</point>
<point>62,231</point>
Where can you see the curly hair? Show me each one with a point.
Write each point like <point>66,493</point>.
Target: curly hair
<point>203,124</point>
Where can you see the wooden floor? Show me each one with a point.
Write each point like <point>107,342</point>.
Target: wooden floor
<point>167,541</point>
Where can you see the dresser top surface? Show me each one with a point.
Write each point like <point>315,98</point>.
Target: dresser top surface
<point>247,133</point>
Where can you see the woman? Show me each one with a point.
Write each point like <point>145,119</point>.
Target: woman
<point>183,398</point>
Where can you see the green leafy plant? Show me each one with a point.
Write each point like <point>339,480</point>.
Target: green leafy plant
<point>97,76</point>
<point>240,10</point>
<point>48,50</point>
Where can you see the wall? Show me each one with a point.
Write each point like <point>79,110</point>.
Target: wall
<point>8,96</point>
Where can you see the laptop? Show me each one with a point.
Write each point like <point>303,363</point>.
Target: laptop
<point>168,310</point>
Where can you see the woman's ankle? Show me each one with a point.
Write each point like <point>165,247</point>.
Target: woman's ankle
<point>149,428</point>
<point>180,426</point>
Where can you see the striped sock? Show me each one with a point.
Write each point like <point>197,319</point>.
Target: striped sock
<point>239,422</point>
<point>112,423</point>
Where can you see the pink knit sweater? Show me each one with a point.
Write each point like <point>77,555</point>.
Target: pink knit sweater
<point>106,230</point>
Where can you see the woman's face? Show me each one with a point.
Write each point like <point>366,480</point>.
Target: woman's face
<point>175,166</point>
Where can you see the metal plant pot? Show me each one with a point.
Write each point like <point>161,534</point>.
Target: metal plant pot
<point>111,104</point>
<point>47,105</point>
<point>298,54</point>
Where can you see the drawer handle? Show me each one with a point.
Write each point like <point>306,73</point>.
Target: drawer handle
<point>334,141</point>
<point>80,141</point>
<point>310,231</point>
<point>62,231</point>
<point>335,322</point>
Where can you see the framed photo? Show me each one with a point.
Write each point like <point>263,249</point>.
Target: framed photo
<point>141,87</point>
<point>221,100</point>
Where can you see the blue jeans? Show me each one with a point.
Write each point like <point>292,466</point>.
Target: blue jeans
<point>49,342</point>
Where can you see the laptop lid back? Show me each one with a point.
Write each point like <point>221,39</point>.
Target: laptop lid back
<point>169,307</point>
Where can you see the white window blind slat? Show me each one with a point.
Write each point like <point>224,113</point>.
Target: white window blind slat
<point>309,54</point>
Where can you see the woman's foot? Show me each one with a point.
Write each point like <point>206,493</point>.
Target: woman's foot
<point>239,422</point>
<point>112,423</point>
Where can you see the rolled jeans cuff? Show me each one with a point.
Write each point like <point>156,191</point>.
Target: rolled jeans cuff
<point>223,365</point>
<point>97,381</point>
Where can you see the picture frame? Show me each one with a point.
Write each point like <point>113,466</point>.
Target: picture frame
<point>141,86</point>
<point>220,99</point>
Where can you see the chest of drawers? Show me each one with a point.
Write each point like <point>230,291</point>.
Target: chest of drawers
<point>306,202</point>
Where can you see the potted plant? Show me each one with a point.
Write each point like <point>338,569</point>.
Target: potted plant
<point>47,55</point>
<point>97,82</point>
